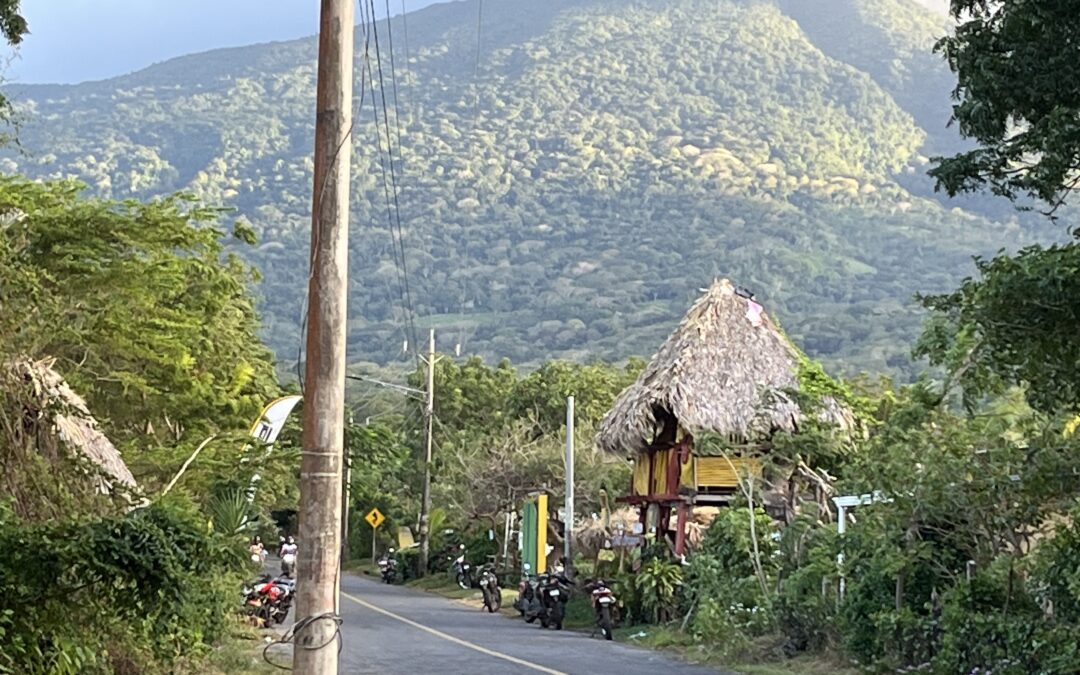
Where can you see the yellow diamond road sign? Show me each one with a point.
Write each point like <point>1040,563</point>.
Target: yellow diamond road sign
<point>375,518</point>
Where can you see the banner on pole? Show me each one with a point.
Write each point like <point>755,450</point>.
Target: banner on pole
<point>272,420</point>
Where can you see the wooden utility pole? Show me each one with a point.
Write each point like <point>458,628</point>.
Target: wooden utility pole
<point>429,415</point>
<point>315,644</point>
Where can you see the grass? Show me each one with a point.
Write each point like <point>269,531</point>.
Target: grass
<point>760,657</point>
<point>241,654</point>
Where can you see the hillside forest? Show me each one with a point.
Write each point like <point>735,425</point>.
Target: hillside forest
<point>568,180</point>
<point>569,177</point>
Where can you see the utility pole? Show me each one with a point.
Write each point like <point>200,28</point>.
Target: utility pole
<point>568,525</point>
<point>429,415</point>
<point>317,569</point>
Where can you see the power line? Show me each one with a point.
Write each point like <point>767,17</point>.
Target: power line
<point>393,211</point>
<point>405,28</point>
<point>393,179</point>
<point>476,68</point>
<point>322,190</point>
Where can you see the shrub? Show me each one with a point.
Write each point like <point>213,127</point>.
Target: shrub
<point>659,582</point>
<point>134,592</point>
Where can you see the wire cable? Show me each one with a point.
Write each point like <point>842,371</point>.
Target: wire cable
<point>394,239</point>
<point>303,624</point>
<point>311,257</point>
<point>393,181</point>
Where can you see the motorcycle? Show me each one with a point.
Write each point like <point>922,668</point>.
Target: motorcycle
<point>269,600</point>
<point>604,605</point>
<point>554,592</point>
<point>388,568</point>
<point>528,600</point>
<point>463,571</point>
<point>489,586</point>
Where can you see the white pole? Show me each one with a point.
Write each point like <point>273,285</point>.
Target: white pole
<point>841,527</point>
<point>506,538</point>
<point>569,522</point>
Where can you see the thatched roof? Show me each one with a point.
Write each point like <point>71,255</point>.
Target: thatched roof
<point>50,399</point>
<point>727,369</point>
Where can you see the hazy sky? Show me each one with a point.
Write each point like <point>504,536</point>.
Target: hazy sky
<point>78,40</point>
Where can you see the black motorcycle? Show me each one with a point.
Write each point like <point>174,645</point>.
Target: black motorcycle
<point>388,565</point>
<point>463,570</point>
<point>554,591</point>
<point>489,586</point>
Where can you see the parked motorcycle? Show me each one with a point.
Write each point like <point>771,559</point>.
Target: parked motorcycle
<point>269,600</point>
<point>528,600</point>
<point>388,565</point>
<point>462,570</point>
<point>605,606</point>
<point>489,586</point>
<point>554,590</point>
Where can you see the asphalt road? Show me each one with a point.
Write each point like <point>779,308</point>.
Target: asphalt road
<point>392,629</point>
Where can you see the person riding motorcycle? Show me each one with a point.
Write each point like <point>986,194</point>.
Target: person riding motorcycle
<point>256,550</point>
<point>288,556</point>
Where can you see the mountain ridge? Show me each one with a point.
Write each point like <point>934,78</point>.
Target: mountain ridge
<point>597,144</point>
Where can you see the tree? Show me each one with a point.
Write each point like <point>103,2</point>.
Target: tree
<point>12,24</point>
<point>12,27</point>
<point>1013,325</point>
<point>149,315</point>
<point>1018,95</point>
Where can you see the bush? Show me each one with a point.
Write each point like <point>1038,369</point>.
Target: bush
<point>124,593</point>
<point>658,584</point>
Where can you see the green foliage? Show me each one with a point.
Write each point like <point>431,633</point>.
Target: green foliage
<point>125,593</point>
<point>710,138</point>
<point>724,593</point>
<point>230,511</point>
<point>12,24</point>
<point>1005,328</point>
<point>658,583</point>
<point>1018,96</point>
<point>150,319</point>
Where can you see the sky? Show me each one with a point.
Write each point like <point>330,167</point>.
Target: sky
<point>79,40</point>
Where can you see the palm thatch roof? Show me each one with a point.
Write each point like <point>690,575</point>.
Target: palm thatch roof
<point>50,405</point>
<point>727,369</point>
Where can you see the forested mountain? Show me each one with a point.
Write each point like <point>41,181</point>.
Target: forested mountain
<point>567,190</point>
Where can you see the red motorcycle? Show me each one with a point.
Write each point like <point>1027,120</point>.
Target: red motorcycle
<point>269,600</point>
<point>605,606</point>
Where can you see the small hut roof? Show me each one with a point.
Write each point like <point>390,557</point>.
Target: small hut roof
<point>727,369</point>
<point>74,426</point>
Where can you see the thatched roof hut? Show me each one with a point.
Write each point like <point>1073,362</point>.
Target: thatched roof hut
<point>60,422</point>
<point>727,369</point>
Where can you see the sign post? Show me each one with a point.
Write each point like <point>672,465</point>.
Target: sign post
<point>375,518</point>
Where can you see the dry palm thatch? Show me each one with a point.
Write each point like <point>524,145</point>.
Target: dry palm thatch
<point>727,369</point>
<point>55,420</point>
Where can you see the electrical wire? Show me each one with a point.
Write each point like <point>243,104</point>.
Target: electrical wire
<point>395,217</point>
<point>409,336</point>
<point>405,29</point>
<point>290,636</point>
<point>311,257</point>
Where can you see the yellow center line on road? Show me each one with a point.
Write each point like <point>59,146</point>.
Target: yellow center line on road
<point>451,638</point>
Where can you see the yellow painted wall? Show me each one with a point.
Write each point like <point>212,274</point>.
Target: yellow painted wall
<point>718,472</point>
<point>659,481</point>
<point>640,485</point>
<point>541,533</point>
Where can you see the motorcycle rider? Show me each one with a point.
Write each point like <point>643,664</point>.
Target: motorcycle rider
<point>256,550</point>
<point>288,556</point>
